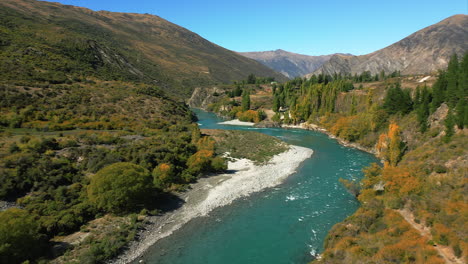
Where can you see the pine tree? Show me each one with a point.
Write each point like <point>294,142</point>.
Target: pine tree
<point>460,113</point>
<point>417,97</point>
<point>276,103</point>
<point>423,109</point>
<point>463,78</point>
<point>397,100</point>
<point>439,91</point>
<point>251,79</point>
<point>452,82</point>
<point>449,123</point>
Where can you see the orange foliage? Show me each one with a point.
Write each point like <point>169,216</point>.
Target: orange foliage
<point>382,144</point>
<point>249,116</point>
<point>341,124</point>
<point>204,153</point>
<point>407,243</point>
<point>366,195</point>
<point>206,143</point>
<point>163,174</point>
<point>389,145</point>
<point>400,180</point>
<point>345,243</point>
<point>200,161</point>
<point>164,167</point>
<point>459,207</point>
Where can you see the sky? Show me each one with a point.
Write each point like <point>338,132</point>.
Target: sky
<point>311,27</point>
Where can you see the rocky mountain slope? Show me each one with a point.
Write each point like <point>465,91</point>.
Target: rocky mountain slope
<point>288,63</point>
<point>141,47</point>
<point>422,52</point>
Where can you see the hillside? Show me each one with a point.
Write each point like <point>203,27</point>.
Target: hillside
<point>425,51</point>
<point>107,45</point>
<point>288,63</point>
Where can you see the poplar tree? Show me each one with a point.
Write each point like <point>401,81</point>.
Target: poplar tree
<point>245,100</point>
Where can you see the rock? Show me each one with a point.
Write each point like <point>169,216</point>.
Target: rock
<point>202,97</point>
<point>438,117</point>
<point>5,205</point>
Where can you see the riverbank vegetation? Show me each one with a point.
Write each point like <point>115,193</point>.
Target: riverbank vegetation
<point>423,177</point>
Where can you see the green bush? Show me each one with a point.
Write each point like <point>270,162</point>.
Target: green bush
<point>20,239</point>
<point>120,187</point>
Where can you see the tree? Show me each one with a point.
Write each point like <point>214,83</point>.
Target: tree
<point>251,79</point>
<point>423,109</point>
<point>163,175</point>
<point>397,100</point>
<point>120,187</point>
<point>20,239</point>
<point>245,100</point>
<point>390,146</point>
<point>452,81</point>
<point>200,162</point>
<point>439,91</point>
<point>461,113</point>
<point>276,103</point>
<point>382,75</point>
<point>449,123</point>
<point>396,146</point>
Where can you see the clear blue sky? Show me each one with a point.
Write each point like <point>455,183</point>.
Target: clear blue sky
<point>312,27</point>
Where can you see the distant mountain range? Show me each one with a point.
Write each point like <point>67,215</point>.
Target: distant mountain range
<point>288,63</point>
<point>140,47</point>
<point>425,51</point>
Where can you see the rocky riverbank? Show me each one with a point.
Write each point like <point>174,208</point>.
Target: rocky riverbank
<point>207,194</point>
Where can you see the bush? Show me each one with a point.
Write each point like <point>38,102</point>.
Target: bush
<point>440,168</point>
<point>120,187</point>
<point>20,239</point>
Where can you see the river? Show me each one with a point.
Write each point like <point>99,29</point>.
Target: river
<point>286,224</point>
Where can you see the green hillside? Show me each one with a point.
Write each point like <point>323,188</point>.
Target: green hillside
<point>53,43</point>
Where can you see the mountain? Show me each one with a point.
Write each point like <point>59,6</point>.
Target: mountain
<point>288,63</point>
<point>425,51</point>
<point>140,47</point>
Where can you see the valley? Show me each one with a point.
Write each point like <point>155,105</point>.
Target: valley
<point>126,138</point>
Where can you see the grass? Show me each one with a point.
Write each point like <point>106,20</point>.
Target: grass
<point>254,146</point>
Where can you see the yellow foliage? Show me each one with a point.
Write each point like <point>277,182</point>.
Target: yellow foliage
<point>400,180</point>
<point>249,116</point>
<point>206,143</point>
<point>389,146</point>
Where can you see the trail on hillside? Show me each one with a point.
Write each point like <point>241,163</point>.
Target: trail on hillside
<point>445,252</point>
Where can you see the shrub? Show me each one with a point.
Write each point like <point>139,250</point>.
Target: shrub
<point>120,187</point>
<point>20,239</point>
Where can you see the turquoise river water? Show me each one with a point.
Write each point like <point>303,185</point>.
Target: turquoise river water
<point>286,224</point>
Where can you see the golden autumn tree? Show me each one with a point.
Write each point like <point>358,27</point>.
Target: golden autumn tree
<point>396,145</point>
<point>200,161</point>
<point>400,181</point>
<point>391,146</point>
<point>163,175</point>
